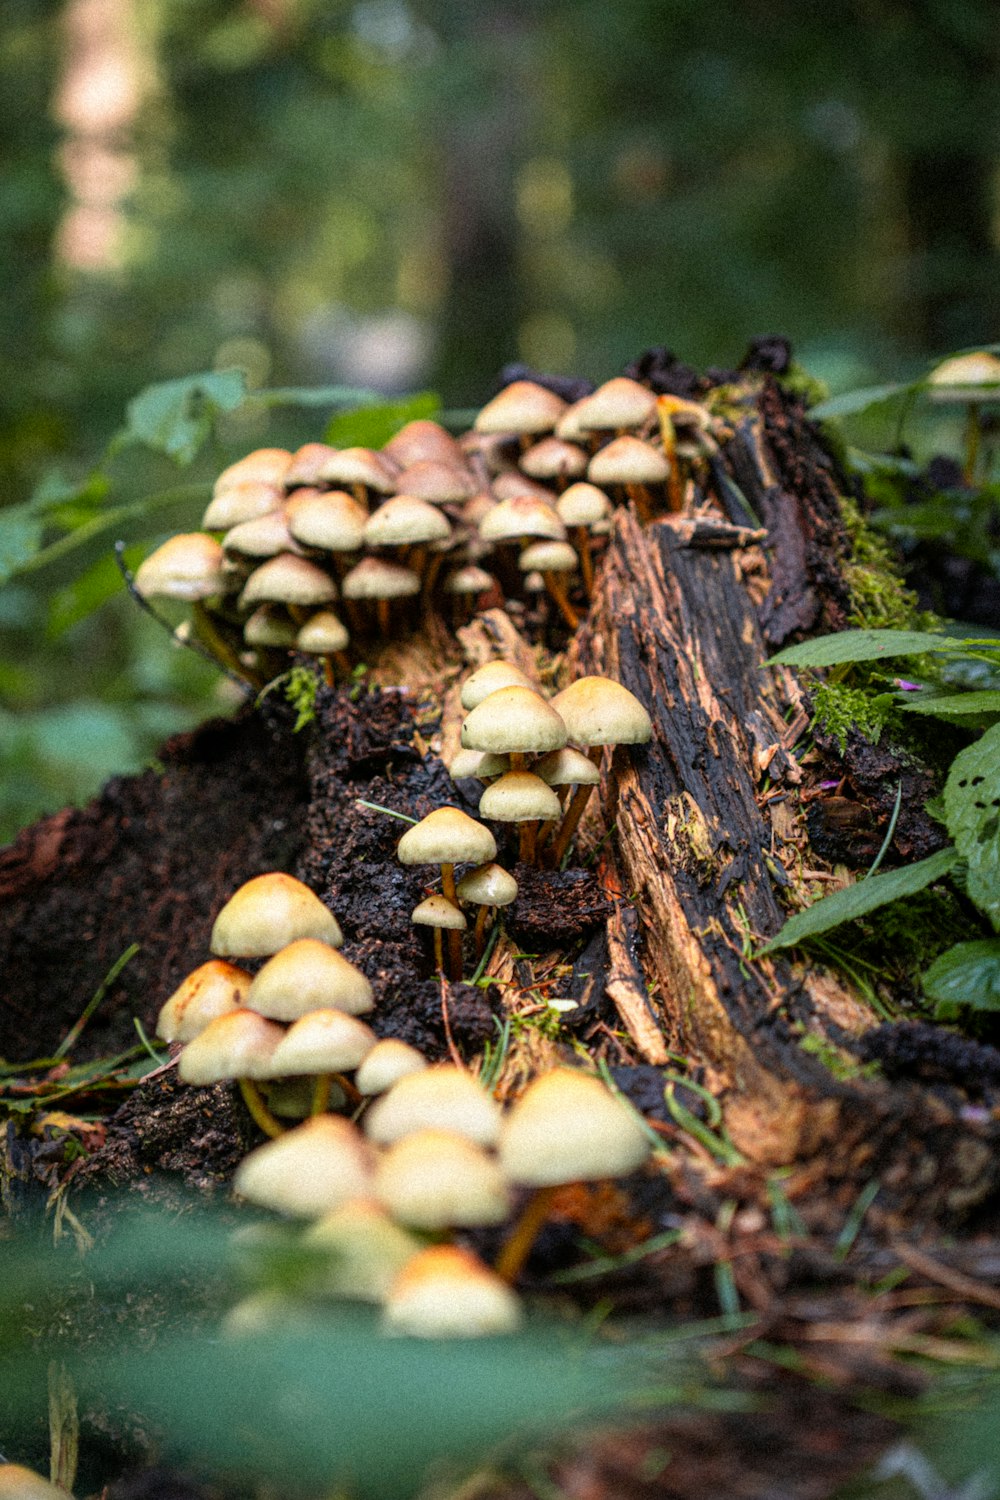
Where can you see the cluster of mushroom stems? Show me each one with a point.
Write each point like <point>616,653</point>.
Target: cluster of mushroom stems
<point>434,1153</point>
<point>528,493</point>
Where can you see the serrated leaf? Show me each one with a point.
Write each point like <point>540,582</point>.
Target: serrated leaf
<point>968,974</point>
<point>952,705</point>
<point>20,538</point>
<point>373,426</point>
<point>861,645</point>
<point>972,813</point>
<point>861,898</point>
<point>850,403</point>
<point>175,417</point>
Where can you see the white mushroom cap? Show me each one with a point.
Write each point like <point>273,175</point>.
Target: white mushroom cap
<point>262,466</point>
<point>241,502</point>
<point>514,719</point>
<point>422,440</point>
<point>471,579</point>
<point>309,1170</point>
<point>567,767</point>
<point>307,464</point>
<point>437,483</point>
<point>620,402</point>
<point>287,579</point>
<point>323,1041</point>
<point>238,1044</point>
<point>19,1483</point>
<point>548,557</point>
<point>519,797</point>
<point>554,458</point>
<point>489,885</point>
<point>269,625</point>
<point>367,1249</point>
<point>628,460</point>
<point>511,484</point>
<point>389,1060</point>
<point>583,504</point>
<point>599,711</point>
<point>447,836</point>
<point>440,1098</point>
<point>212,990</point>
<point>966,378</point>
<point>446,1292</point>
<point>264,536</point>
<point>330,519</point>
<point>522,406</point>
<point>438,911</point>
<point>435,1179</point>
<point>267,913</point>
<point>480,765</point>
<point>322,634</point>
<point>187,566</point>
<point>489,678</point>
<point>309,975</point>
<point>567,1126</point>
<point>522,516</point>
<point>374,578</point>
<point>403,520</point>
<point>362,466</point>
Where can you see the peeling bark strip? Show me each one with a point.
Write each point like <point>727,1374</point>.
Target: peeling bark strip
<point>675,624</point>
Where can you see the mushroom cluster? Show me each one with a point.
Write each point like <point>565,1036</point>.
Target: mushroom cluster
<point>514,508</point>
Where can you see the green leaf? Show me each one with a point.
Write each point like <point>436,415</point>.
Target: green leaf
<point>176,416</point>
<point>861,645</point>
<point>375,425</point>
<point>317,395</point>
<point>850,403</point>
<point>967,974</point>
<point>20,538</point>
<point>861,898</point>
<point>972,813</point>
<point>951,705</point>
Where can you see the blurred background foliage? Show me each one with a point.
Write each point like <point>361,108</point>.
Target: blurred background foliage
<point>402,194</point>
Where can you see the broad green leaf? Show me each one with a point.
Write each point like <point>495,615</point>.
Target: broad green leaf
<point>861,645</point>
<point>374,425</point>
<point>972,813</point>
<point>176,509</point>
<point>951,705</point>
<point>176,416</point>
<point>861,898</point>
<point>20,538</point>
<point>850,403</point>
<point>968,974</point>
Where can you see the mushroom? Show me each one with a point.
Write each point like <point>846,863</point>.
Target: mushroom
<point>262,466</point>
<point>242,502</point>
<point>633,464</point>
<point>521,408</point>
<point>447,837</point>
<point>479,765</point>
<point>376,579</point>
<point>566,1127</point>
<point>597,711</point>
<point>309,974</point>
<point>19,1483</point>
<point>271,628</point>
<point>190,566</point>
<point>435,1179</point>
<point>615,406</point>
<point>515,721</point>
<point>307,464</point>
<point>487,887</point>
<point>488,679</point>
<point>554,458</point>
<point>968,380</point>
<point>325,636</point>
<point>309,1170</point>
<point>323,1044</point>
<point>439,1098</point>
<point>423,440</point>
<point>236,1045</point>
<point>446,1292</point>
<point>212,990</point>
<point>331,520</point>
<point>291,580</point>
<point>361,470</point>
<point>442,915</point>
<point>367,1249</point>
<point>581,507</point>
<point>552,560</point>
<point>565,768</point>
<point>269,912</point>
<point>264,536</point>
<point>389,1060</point>
<point>436,482</point>
<point>520,797</point>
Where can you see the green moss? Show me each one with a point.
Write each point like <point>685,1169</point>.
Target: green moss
<point>300,691</point>
<point>839,1064</point>
<point>880,599</point>
<point>838,709</point>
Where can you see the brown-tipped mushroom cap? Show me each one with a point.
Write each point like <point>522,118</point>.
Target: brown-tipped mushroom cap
<point>287,579</point>
<point>405,520</point>
<point>435,1179</point>
<point>447,836</point>
<point>489,885</point>
<point>522,516</point>
<point>269,625</point>
<point>514,719</point>
<point>620,402</point>
<point>553,458</point>
<point>241,502</point>
<point>519,797</point>
<point>267,913</point>
<point>322,635</point>
<point>489,679</point>
<point>567,767</point>
<point>966,378</point>
<point>310,1170</point>
<point>422,440</point>
<point>373,578</point>
<point>568,1126</point>
<point>262,466</point>
<point>308,463</point>
<point>362,466</point>
<point>440,1098</point>
<point>437,483</point>
<point>367,1249</point>
<point>582,505</point>
<point>236,1045</point>
<point>264,536</point>
<point>521,406</point>
<point>188,566</point>
<point>446,1292</point>
<point>331,519</point>
<point>212,990</point>
<point>628,460</point>
<point>323,1041</point>
<point>309,975</point>
<point>599,711</point>
<point>389,1060</point>
<point>438,911</point>
<point>548,557</point>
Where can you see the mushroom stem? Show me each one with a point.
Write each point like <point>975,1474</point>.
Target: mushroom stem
<point>321,1091</point>
<point>454,938</point>
<point>480,930</point>
<point>258,1109</point>
<point>526,842</point>
<point>211,637</point>
<point>518,1244</point>
<point>430,579</point>
<point>586,560</point>
<point>343,662</point>
<point>328,672</point>
<point>569,824</point>
<point>640,497</point>
<point>554,585</point>
<point>382,614</point>
<point>438,951</point>
<point>675,489</point>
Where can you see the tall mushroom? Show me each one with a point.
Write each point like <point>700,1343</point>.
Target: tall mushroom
<point>597,711</point>
<point>447,837</point>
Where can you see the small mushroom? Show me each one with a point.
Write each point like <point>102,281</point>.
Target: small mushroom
<point>447,1292</point>
<point>367,1249</point>
<point>325,636</point>
<point>488,886</point>
<point>552,560</point>
<point>324,1044</point>
<point>212,990</point>
<point>439,1098</point>
<point>441,915</point>
<point>597,711</point>
<point>309,974</point>
<point>446,837</point>
<point>489,679</point>
<point>309,1170</point>
<point>633,464</point>
<point>237,1045</point>
<point>389,1060</point>
<point>523,798</point>
<point>434,1179</point>
<point>269,912</point>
